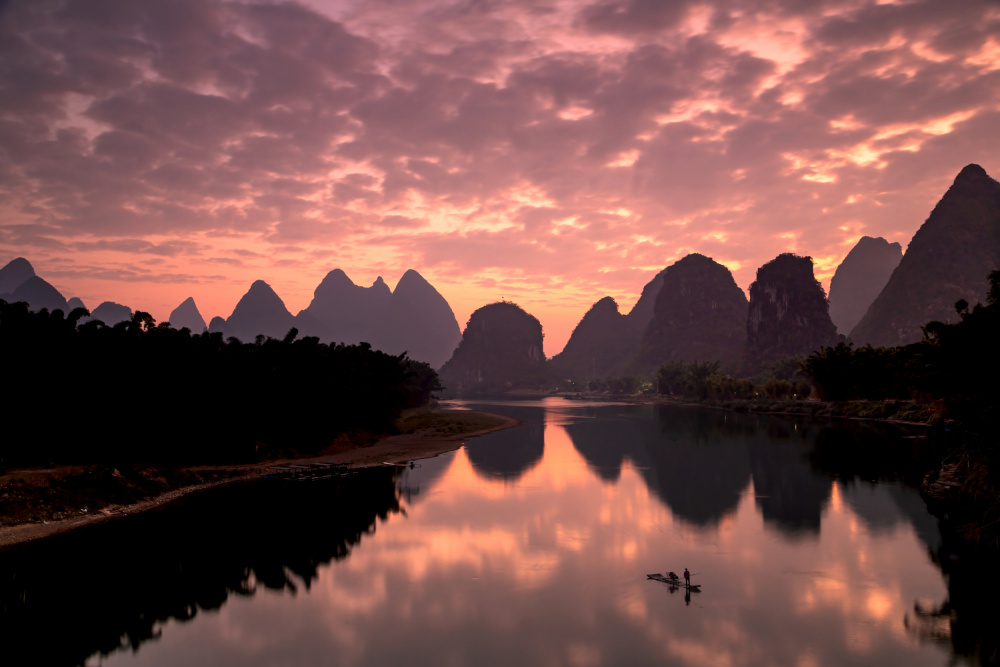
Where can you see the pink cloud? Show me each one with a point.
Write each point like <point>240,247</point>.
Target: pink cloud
<point>562,151</point>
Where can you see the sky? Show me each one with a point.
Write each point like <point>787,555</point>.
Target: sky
<point>548,152</point>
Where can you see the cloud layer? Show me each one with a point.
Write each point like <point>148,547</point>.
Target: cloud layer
<point>549,152</point>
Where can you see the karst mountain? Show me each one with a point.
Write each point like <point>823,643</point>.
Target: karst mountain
<point>948,259</point>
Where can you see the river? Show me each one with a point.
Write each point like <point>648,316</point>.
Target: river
<point>529,546</point>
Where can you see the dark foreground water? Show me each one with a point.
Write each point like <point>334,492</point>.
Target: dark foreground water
<point>527,547</point>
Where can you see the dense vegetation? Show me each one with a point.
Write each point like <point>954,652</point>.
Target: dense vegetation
<point>954,364</point>
<point>954,368</point>
<point>142,392</point>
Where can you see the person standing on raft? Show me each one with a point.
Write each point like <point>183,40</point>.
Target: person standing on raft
<point>687,577</point>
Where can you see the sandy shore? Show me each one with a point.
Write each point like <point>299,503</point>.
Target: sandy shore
<point>444,434</point>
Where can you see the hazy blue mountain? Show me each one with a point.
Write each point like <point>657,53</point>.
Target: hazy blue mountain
<point>501,346</point>
<point>187,315</point>
<point>948,259</point>
<point>700,315</point>
<point>218,325</point>
<point>75,302</point>
<point>860,278</point>
<point>260,311</point>
<point>13,274</point>
<point>39,294</point>
<point>789,315</point>
<point>111,313</point>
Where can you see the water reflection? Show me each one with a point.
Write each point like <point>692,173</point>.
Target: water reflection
<point>507,455</point>
<point>531,546</point>
<point>694,462</point>
<point>115,585</point>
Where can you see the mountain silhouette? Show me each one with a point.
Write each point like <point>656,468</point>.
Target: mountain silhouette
<point>501,346</point>
<point>789,315</point>
<point>642,312</point>
<point>260,311</point>
<point>599,344</point>
<point>39,294</point>
<point>111,313</point>
<point>217,325</point>
<point>860,278</point>
<point>605,341</point>
<point>75,302</point>
<point>13,274</point>
<point>187,315</point>
<point>700,314</point>
<point>420,322</point>
<point>948,259</point>
<point>342,312</point>
<point>414,318</point>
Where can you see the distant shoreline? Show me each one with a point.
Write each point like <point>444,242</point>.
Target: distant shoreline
<point>443,433</point>
<point>860,410</point>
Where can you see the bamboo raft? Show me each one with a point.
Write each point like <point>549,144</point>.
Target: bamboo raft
<point>674,582</point>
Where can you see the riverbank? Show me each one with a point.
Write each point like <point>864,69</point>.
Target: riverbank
<point>36,503</point>
<point>897,412</point>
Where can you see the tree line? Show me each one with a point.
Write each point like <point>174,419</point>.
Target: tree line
<point>140,391</point>
<point>955,365</point>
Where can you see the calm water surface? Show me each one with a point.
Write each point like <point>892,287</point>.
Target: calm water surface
<point>529,546</point>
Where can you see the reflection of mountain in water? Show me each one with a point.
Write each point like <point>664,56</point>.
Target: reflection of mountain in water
<point>685,456</point>
<point>699,462</point>
<point>883,507</point>
<point>510,453</point>
<point>125,579</point>
<point>789,493</point>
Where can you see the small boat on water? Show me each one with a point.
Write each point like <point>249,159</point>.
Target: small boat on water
<point>674,582</point>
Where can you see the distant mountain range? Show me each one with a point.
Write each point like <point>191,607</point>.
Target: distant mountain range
<point>692,310</point>
<point>414,318</point>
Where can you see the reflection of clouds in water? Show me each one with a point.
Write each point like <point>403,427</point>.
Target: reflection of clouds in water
<point>550,570</point>
<point>589,528</point>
